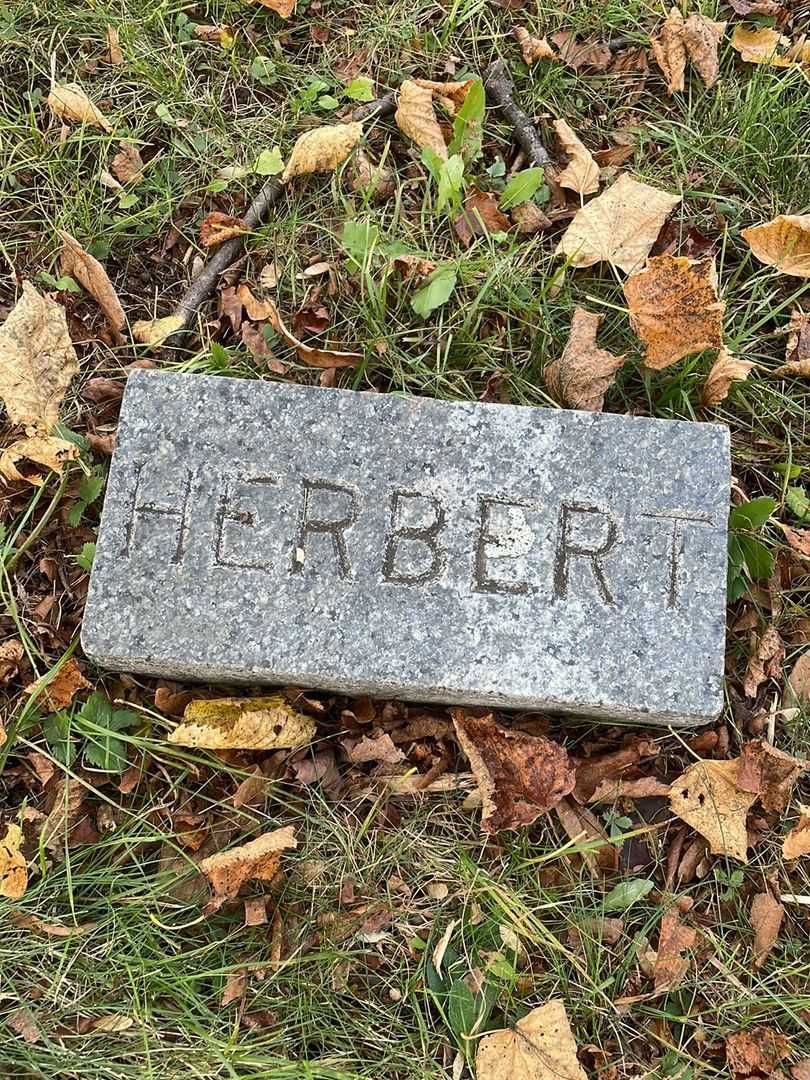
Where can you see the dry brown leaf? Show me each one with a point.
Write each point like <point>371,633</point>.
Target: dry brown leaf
<point>797,347</point>
<point>479,216</point>
<point>799,680</point>
<point>380,747</point>
<point>259,859</point>
<point>530,219</point>
<point>765,661</point>
<point>450,94</point>
<point>23,1023</point>
<point>797,842</point>
<point>284,8</point>
<point>114,54</point>
<point>619,226</point>
<point>533,48</point>
<point>416,119</point>
<point>724,371</point>
<point>68,797</point>
<point>322,149</point>
<point>766,919</point>
<point>321,358</point>
<point>519,776</point>
<point>590,53</point>
<point>155,331</point>
<point>798,539</point>
<point>11,653</point>
<point>702,37</point>
<point>217,227</point>
<point>13,867</point>
<point>670,963</point>
<point>586,831</point>
<point>769,773</point>
<point>643,787</point>
<point>541,1046</point>
<point>584,372</point>
<point>783,243</point>
<point>758,7</point>
<point>759,45</point>
<point>253,723</point>
<point>707,797</point>
<point>669,51</point>
<point>127,165</point>
<point>581,174</point>
<point>69,102</point>
<point>59,692</point>
<point>674,308</point>
<point>45,450</point>
<point>755,1052</point>
<point>92,277</point>
<point>235,987</point>
<point>592,771</point>
<point>37,361</point>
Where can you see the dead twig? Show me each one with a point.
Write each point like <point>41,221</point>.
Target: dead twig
<point>500,90</point>
<point>200,289</point>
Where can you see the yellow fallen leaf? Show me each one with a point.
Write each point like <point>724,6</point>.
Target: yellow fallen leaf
<point>416,119</point>
<point>37,361</point>
<point>13,867</point>
<point>533,48</point>
<point>45,450</point>
<point>674,308</point>
<point>155,331</point>
<point>724,371</point>
<point>260,723</point>
<point>797,841</point>
<point>450,94</point>
<point>783,243</point>
<point>322,149</point>
<point>584,372</point>
<point>619,226</point>
<point>321,358</point>
<point>259,859</point>
<point>92,277</point>
<point>58,692</point>
<point>69,102</point>
<point>541,1046</point>
<point>759,46</point>
<point>707,797</point>
<point>581,174</point>
<point>284,8</point>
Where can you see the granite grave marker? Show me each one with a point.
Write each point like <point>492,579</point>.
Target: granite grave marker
<point>404,547</point>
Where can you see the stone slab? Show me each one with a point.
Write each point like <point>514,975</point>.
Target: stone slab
<point>403,547</point>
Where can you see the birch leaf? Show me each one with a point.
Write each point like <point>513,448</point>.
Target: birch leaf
<point>92,277</point>
<point>619,226</point>
<point>584,372</point>
<point>541,1046</point>
<point>260,723</point>
<point>783,243</point>
<point>69,102</point>
<point>37,361</point>
<point>259,859</point>
<point>674,309</point>
<point>416,119</point>
<point>581,174</point>
<point>322,149</point>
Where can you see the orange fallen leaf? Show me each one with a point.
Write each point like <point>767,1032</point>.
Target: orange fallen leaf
<point>480,216</point>
<point>619,226</point>
<point>58,692</point>
<point>783,243</point>
<point>674,308</point>
<point>258,859</point>
<point>284,8</point>
<point>450,94</point>
<point>155,331</point>
<point>707,796</point>
<point>675,939</point>
<point>540,1046</point>
<point>13,866</point>
<point>797,842</point>
<point>92,277</point>
<point>217,227</point>
<point>322,149</point>
<point>726,370</point>
<point>760,45</point>
<point>581,174</point>
<point>519,776</point>
<point>416,119</point>
<point>584,372</point>
<point>798,539</point>
<point>532,48</point>
<point>766,920</point>
<point>756,1052</point>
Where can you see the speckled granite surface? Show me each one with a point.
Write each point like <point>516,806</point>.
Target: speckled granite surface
<point>534,558</point>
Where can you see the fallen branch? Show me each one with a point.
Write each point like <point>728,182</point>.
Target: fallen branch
<point>500,91</point>
<point>227,254</point>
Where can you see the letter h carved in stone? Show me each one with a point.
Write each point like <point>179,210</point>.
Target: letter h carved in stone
<point>179,513</point>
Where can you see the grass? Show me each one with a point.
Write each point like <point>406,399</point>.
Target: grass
<point>359,1004</point>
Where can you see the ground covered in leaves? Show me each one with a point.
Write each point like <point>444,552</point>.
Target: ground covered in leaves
<point>296,884</point>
